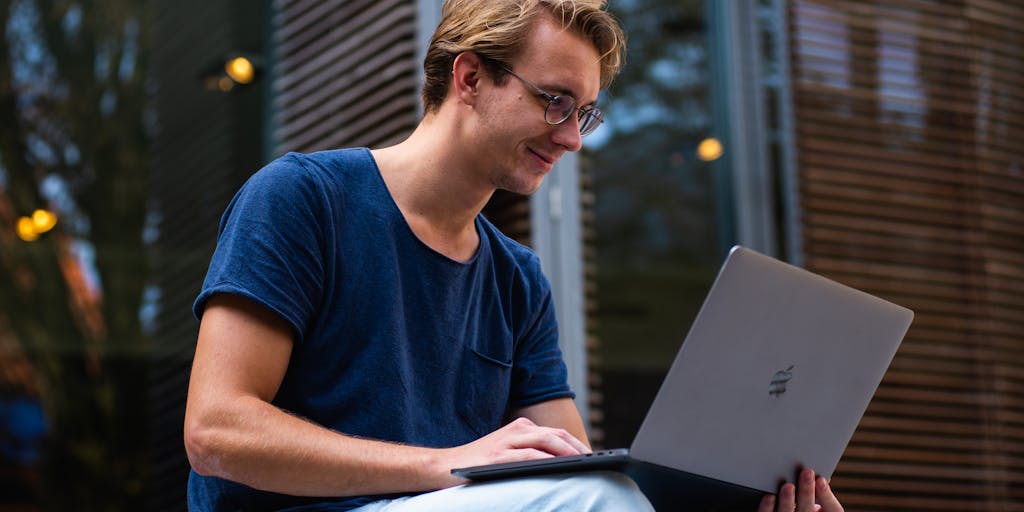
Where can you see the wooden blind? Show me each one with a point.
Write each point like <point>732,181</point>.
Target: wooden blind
<point>205,143</point>
<point>909,118</point>
<point>345,73</point>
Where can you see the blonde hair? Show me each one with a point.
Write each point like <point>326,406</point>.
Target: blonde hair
<point>496,30</point>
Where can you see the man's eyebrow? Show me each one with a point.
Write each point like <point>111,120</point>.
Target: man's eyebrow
<point>559,90</point>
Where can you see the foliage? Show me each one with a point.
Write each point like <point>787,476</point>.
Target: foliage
<point>653,195</point>
<point>73,140</point>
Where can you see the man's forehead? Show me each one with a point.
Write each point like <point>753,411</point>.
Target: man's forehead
<point>564,62</point>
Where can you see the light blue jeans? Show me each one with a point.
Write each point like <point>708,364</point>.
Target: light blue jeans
<point>591,491</point>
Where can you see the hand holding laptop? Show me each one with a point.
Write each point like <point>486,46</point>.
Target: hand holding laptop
<point>813,494</point>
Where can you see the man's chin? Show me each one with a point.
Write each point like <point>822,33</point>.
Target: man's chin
<point>524,185</point>
<point>531,190</point>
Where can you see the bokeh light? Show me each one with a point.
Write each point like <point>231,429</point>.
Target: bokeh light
<point>240,69</point>
<point>43,220</point>
<point>27,229</point>
<point>709,149</point>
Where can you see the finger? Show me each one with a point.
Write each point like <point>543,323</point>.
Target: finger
<point>828,500</point>
<point>767,503</point>
<point>520,423</point>
<point>525,425</point>
<point>573,441</point>
<point>520,454</point>
<point>805,491</point>
<point>546,440</point>
<point>787,498</point>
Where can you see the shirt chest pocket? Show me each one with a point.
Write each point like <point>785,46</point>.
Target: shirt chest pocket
<point>484,387</point>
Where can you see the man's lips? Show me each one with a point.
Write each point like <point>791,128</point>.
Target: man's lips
<point>547,159</point>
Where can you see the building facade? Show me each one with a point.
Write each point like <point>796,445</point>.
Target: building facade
<point>877,143</point>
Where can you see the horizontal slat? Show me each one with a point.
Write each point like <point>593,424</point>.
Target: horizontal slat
<point>950,28</point>
<point>304,30</point>
<point>909,118</point>
<point>843,46</point>
<point>345,73</point>
<point>932,345</point>
<point>348,70</point>
<point>905,291</point>
<point>979,183</point>
<point>348,125</point>
<point>1011,391</point>
<point>901,439</point>
<point>934,457</point>
<point>1009,15</point>
<point>854,17</point>
<point>309,120</point>
<point>890,225</point>
<point>938,472</point>
<point>903,486</point>
<point>836,259</point>
<point>303,44</point>
<point>857,121</point>
<point>997,261</point>
<point>948,404</point>
<point>899,503</point>
<point>943,160</point>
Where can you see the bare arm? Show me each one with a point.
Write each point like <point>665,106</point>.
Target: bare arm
<point>234,432</point>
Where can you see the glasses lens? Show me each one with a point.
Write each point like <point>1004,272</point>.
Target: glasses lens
<point>559,109</point>
<point>589,120</point>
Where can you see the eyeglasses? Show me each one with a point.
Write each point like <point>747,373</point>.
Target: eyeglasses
<point>561,108</point>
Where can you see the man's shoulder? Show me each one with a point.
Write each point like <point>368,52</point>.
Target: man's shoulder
<point>329,161</point>
<point>347,156</point>
<point>310,172</point>
<point>513,255</point>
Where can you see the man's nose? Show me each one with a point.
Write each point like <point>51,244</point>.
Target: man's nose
<point>567,134</point>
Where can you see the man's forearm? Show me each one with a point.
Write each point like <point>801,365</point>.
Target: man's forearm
<point>259,445</point>
<point>256,444</point>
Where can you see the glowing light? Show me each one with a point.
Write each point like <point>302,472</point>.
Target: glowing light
<point>225,84</point>
<point>27,230</point>
<point>43,220</point>
<point>709,149</point>
<point>240,69</point>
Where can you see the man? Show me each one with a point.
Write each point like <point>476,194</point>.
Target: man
<point>364,330</point>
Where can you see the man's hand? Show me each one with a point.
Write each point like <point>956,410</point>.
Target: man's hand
<point>811,495</point>
<point>521,439</point>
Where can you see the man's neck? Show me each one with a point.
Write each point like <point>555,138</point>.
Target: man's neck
<point>437,189</point>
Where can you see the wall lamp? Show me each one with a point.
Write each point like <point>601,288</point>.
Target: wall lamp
<point>233,70</point>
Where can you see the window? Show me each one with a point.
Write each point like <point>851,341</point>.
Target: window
<point>654,233</point>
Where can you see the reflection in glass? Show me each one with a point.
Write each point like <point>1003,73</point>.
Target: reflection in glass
<point>75,171</point>
<point>653,231</point>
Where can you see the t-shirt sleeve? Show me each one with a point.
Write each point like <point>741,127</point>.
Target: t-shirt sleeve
<point>539,372</point>
<point>270,244</point>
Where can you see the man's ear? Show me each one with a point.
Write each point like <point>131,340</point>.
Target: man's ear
<point>467,72</point>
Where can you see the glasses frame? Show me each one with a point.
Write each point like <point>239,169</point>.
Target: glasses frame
<point>589,117</point>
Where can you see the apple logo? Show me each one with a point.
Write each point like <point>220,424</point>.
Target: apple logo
<point>779,380</point>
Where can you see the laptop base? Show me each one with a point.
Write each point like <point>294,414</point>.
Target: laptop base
<point>607,459</point>
<point>672,490</point>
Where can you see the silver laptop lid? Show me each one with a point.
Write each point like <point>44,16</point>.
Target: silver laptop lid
<point>775,374</point>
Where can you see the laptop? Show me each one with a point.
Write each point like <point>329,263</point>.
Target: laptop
<point>774,375</point>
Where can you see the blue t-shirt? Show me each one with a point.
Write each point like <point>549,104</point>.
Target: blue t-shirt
<point>393,340</point>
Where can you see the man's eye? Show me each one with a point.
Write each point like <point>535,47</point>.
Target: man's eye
<point>562,102</point>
